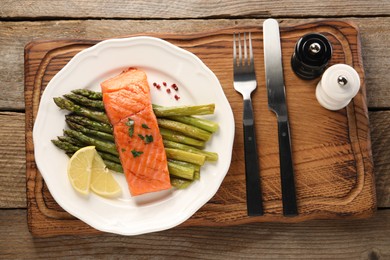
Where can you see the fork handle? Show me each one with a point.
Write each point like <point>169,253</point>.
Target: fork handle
<point>252,171</point>
<point>286,169</point>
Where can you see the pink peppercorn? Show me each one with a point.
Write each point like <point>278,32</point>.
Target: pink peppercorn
<point>174,86</point>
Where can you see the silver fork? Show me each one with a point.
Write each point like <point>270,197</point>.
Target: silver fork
<point>244,83</point>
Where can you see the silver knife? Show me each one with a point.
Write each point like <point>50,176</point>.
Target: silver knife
<point>277,104</point>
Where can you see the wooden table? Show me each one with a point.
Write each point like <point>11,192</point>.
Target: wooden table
<point>25,20</point>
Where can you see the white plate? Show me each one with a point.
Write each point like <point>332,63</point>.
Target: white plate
<point>163,62</point>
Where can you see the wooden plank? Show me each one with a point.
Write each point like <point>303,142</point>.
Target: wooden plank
<point>12,172</point>
<point>15,35</point>
<point>12,160</point>
<point>376,60</point>
<point>356,239</point>
<point>380,138</point>
<point>190,9</point>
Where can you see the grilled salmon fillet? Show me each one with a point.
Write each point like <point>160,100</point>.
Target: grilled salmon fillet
<point>127,102</point>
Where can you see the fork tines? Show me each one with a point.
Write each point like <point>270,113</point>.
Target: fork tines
<point>247,48</point>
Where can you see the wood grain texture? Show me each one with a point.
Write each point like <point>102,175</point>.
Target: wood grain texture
<point>12,160</point>
<point>15,35</point>
<point>375,33</point>
<point>356,239</point>
<point>380,135</point>
<point>352,239</point>
<point>12,172</point>
<point>189,9</point>
<point>332,152</point>
<point>376,69</point>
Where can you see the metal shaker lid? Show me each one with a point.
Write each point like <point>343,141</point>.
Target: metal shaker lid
<point>314,50</point>
<point>311,55</point>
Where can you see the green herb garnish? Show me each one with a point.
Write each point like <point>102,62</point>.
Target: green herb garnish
<point>148,139</point>
<point>141,136</point>
<point>136,153</point>
<point>130,124</point>
<point>123,150</point>
<point>145,126</point>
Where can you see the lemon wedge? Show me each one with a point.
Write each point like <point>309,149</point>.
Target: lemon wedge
<point>79,169</point>
<point>103,182</point>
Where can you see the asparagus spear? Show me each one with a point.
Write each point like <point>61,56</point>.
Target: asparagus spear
<point>210,156</point>
<point>67,147</point>
<point>180,183</point>
<point>89,94</point>
<point>113,166</point>
<point>188,130</point>
<point>184,156</point>
<point>201,123</point>
<point>70,148</point>
<point>84,101</point>
<point>68,139</point>
<point>196,175</point>
<point>161,111</point>
<point>100,145</point>
<point>195,167</point>
<point>177,137</point>
<point>186,164</point>
<point>109,157</point>
<point>84,130</point>
<point>91,124</point>
<point>180,171</point>
<point>79,110</point>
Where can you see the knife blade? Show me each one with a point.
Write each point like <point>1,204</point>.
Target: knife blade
<point>277,103</point>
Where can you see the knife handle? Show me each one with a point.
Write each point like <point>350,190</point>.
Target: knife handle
<point>252,171</point>
<point>286,169</point>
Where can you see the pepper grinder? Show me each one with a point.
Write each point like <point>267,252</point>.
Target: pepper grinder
<point>311,55</point>
<point>339,84</point>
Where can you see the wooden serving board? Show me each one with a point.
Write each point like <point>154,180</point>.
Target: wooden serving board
<point>331,150</point>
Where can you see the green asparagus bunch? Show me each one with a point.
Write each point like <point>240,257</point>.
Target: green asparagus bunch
<point>184,135</point>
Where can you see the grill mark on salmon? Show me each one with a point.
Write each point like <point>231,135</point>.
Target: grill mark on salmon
<point>127,96</point>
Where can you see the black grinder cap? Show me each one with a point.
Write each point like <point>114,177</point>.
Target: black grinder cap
<point>311,55</point>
